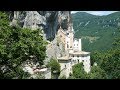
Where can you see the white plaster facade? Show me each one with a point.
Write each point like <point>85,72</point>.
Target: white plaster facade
<point>77,45</point>
<point>78,57</point>
<point>65,63</point>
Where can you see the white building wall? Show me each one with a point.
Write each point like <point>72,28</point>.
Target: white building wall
<point>87,64</point>
<point>77,45</point>
<point>70,50</point>
<point>66,70</point>
<point>80,45</point>
<point>76,60</point>
<point>67,42</point>
<point>62,66</point>
<point>85,60</point>
<point>63,72</point>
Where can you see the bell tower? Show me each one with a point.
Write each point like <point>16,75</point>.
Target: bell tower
<point>71,34</point>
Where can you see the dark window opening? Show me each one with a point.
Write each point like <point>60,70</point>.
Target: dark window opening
<point>65,66</point>
<point>67,46</point>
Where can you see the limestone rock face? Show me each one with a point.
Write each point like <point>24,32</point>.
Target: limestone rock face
<point>48,21</point>
<point>34,20</point>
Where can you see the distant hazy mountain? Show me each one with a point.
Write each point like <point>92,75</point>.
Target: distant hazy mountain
<point>97,32</point>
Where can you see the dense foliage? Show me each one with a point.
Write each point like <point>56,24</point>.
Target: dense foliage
<point>95,73</point>
<point>78,71</point>
<point>109,61</point>
<point>17,45</point>
<point>55,67</point>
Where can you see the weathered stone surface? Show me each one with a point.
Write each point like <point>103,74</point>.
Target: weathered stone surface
<point>48,21</point>
<point>34,20</point>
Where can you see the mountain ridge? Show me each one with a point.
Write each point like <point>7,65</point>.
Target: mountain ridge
<point>92,26</point>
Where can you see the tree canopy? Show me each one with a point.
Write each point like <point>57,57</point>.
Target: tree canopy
<point>55,67</point>
<point>18,45</point>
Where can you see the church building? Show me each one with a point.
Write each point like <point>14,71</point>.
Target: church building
<point>75,55</point>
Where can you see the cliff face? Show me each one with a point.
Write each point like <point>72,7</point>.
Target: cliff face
<point>48,21</point>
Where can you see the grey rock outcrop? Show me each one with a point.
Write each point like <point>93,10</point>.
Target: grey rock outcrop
<point>48,21</point>
<point>34,20</point>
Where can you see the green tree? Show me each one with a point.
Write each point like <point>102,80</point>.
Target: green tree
<point>78,72</point>
<point>111,64</point>
<point>97,73</point>
<point>97,57</point>
<point>55,67</point>
<point>17,45</point>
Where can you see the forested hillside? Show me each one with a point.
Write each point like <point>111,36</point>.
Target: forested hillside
<point>97,32</point>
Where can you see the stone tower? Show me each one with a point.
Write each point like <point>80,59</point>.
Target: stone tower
<point>71,34</point>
